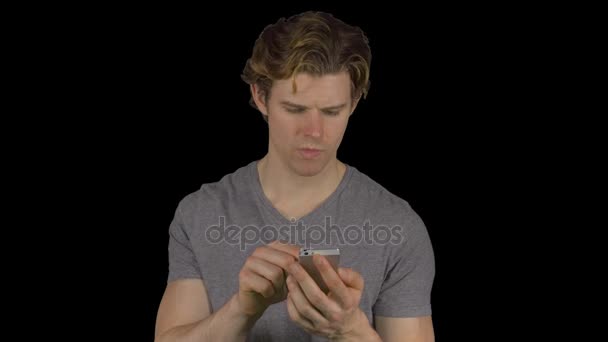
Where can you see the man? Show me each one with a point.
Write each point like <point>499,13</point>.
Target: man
<point>306,76</point>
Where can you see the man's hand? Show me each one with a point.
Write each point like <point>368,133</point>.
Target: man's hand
<point>336,315</point>
<point>262,278</point>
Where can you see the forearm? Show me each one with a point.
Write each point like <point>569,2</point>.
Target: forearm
<point>369,335</point>
<point>363,332</point>
<point>226,324</point>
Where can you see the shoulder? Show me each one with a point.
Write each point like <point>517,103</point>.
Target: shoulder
<point>216,196</point>
<point>379,200</point>
<point>386,211</point>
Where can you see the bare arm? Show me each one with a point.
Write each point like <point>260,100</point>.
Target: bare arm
<point>185,315</point>
<point>411,329</point>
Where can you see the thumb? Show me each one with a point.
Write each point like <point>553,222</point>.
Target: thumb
<point>351,278</point>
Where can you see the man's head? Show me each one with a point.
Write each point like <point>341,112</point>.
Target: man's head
<point>307,74</point>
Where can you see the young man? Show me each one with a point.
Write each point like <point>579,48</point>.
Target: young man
<point>229,282</point>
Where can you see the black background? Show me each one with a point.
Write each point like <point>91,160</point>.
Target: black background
<point>161,109</point>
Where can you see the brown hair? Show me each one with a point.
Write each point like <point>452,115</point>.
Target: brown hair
<point>311,42</point>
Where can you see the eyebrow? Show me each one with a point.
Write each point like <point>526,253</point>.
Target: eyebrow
<point>295,105</point>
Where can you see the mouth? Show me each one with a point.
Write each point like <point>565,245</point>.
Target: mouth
<point>309,153</point>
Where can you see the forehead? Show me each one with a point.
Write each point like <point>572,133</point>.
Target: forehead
<point>312,89</point>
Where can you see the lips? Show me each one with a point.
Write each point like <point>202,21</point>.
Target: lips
<point>309,153</point>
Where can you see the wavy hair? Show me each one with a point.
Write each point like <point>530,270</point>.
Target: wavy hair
<point>316,43</point>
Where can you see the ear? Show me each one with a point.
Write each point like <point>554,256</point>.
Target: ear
<point>258,98</point>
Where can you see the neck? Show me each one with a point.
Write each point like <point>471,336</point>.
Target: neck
<point>281,185</point>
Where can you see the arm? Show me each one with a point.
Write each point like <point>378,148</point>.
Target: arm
<point>185,315</point>
<point>411,329</point>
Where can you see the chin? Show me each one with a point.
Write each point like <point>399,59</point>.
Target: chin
<point>308,168</point>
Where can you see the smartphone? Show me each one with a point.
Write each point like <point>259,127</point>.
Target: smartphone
<point>332,255</point>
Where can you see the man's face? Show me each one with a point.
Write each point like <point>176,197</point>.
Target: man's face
<point>306,128</point>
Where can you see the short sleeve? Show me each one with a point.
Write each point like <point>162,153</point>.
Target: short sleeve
<point>406,290</point>
<point>182,260</point>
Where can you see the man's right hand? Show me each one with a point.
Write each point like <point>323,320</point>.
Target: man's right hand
<point>262,278</point>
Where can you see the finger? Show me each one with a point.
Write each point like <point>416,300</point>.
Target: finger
<point>305,309</point>
<point>311,290</point>
<point>272,272</point>
<point>285,247</point>
<point>333,281</point>
<point>351,278</point>
<point>295,315</point>
<point>274,256</point>
<point>256,283</point>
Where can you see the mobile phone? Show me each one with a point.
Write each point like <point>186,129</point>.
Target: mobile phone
<point>332,255</point>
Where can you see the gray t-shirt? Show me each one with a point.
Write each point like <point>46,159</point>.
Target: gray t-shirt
<point>379,235</point>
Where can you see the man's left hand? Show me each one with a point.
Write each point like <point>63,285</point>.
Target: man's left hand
<point>336,315</point>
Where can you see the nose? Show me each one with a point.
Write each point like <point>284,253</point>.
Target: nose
<point>313,126</point>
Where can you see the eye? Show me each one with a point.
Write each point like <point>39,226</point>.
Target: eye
<point>332,113</point>
<point>295,111</point>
